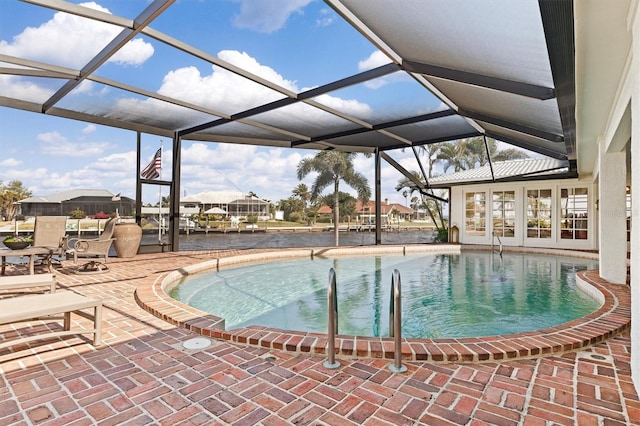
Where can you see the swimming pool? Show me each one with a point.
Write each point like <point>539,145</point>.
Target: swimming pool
<point>444,295</point>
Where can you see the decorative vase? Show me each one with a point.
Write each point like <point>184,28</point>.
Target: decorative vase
<point>127,239</point>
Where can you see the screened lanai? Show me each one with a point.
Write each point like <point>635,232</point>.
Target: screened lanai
<point>515,85</point>
<point>554,77</point>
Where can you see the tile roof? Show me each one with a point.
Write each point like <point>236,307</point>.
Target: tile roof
<point>503,170</point>
<point>59,197</point>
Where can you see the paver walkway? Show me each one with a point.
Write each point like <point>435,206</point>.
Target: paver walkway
<point>142,375</point>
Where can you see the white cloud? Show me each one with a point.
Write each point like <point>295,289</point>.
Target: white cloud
<point>25,174</point>
<point>54,144</point>
<point>269,172</point>
<point>224,90</point>
<point>119,164</point>
<point>111,172</point>
<point>72,41</point>
<point>15,87</point>
<point>10,162</point>
<point>327,17</point>
<point>266,16</point>
<point>374,60</point>
<point>377,59</point>
<point>89,128</point>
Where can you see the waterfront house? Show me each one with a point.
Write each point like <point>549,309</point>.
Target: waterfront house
<point>90,201</point>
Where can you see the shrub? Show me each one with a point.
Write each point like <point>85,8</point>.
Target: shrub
<point>441,236</point>
<point>77,214</point>
<point>295,217</point>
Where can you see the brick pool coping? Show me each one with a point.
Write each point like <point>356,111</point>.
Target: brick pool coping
<point>612,318</point>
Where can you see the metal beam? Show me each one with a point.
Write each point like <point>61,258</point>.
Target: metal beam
<point>443,139</point>
<point>419,185</point>
<point>558,23</point>
<point>174,194</point>
<point>377,127</point>
<point>424,174</point>
<point>552,137</point>
<point>519,88</point>
<point>280,103</point>
<point>530,147</point>
<point>33,73</point>
<point>378,191</point>
<point>350,81</point>
<point>145,18</point>
<point>486,147</point>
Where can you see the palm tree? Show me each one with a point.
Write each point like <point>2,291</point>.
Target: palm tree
<point>468,153</point>
<point>432,206</point>
<point>510,154</point>
<point>333,167</point>
<point>302,192</point>
<point>431,151</point>
<point>454,155</point>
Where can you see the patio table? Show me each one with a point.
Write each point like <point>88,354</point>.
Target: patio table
<point>31,252</point>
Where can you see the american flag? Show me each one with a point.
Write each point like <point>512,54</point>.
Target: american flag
<point>152,171</point>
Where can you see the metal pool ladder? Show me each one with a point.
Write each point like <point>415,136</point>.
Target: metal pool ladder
<point>395,323</point>
<point>493,238</point>
<point>332,297</point>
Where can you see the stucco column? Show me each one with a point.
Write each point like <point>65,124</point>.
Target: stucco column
<point>612,217</point>
<point>635,205</point>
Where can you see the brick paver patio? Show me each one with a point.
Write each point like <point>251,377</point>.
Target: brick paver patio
<point>142,375</point>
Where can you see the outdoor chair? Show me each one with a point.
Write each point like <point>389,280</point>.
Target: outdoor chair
<point>50,232</point>
<point>96,249</point>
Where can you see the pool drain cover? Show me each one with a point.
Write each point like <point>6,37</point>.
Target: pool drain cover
<point>590,356</point>
<point>196,343</point>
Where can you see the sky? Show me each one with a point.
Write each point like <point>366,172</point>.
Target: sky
<point>299,44</point>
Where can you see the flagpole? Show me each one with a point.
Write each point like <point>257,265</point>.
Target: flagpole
<point>160,199</point>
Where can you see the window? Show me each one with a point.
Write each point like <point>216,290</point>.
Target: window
<point>475,214</point>
<point>504,213</point>
<point>574,213</point>
<point>539,213</point>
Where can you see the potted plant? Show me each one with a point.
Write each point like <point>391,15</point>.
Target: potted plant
<point>18,242</point>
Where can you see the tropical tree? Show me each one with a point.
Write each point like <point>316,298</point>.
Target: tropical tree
<point>302,191</point>
<point>468,153</point>
<point>333,167</point>
<point>510,154</point>
<point>9,194</point>
<point>431,152</point>
<point>346,204</point>
<point>431,205</point>
<point>295,206</point>
<point>454,155</point>
<point>292,207</point>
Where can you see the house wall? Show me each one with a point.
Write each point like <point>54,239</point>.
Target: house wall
<point>634,90</point>
<point>581,227</point>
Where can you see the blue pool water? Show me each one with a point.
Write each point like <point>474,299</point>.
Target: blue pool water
<point>443,296</point>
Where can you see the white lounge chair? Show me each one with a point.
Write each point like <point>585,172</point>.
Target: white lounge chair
<point>24,308</point>
<point>18,282</point>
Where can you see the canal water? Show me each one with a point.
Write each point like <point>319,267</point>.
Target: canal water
<point>232,240</point>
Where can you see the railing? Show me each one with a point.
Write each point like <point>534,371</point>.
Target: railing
<point>493,238</point>
<point>395,323</point>
<point>332,299</point>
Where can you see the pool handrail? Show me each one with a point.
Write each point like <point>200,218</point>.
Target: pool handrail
<point>495,235</point>
<point>332,327</point>
<point>395,322</point>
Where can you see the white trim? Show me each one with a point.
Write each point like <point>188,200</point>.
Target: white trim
<point>520,238</point>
